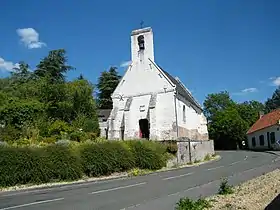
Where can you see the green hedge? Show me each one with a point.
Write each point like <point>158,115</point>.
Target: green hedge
<point>23,165</point>
<point>148,154</point>
<point>106,158</point>
<point>38,165</point>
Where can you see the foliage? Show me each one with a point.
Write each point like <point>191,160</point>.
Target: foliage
<point>189,204</point>
<point>217,102</point>
<point>106,158</point>
<point>148,155</point>
<point>42,103</point>
<point>225,188</point>
<point>23,165</point>
<point>228,128</point>
<point>249,111</point>
<point>171,147</point>
<point>273,102</point>
<point>107,83</point>
<point>229,121</point>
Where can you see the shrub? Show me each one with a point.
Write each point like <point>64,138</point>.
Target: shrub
<point>58,126</point>
<point>37,165</point>
<point>106,158</point>
<point>225,188</point>
<point>148,154</point>
<point>171,147</point>
<point>78,136</point>
<point>188,204</point>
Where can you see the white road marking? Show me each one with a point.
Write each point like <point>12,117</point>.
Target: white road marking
<point>117,188</point>
<point>209,169</point>
<point>174,177</point>
<point>32,204</point>
<point>234,163</point>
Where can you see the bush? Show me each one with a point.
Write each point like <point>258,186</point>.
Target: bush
<point>78,136</point>
<point>106,158</point>
<point>148,154</point>
<point>188,204</point>
<point>225,188</point>
<point>37,165</point>
<point>58,127</point>
<point>172,147</point>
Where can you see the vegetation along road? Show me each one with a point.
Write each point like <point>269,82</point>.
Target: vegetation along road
<point>155,191</point>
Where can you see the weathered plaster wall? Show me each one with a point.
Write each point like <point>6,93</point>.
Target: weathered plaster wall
<point>103,126</point>
<point>276,146</point>
<point>138,110</point>
<point>195,124</point>
<point>165,120</point>
<point>198,150</point>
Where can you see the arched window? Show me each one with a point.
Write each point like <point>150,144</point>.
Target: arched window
<point>184,113</point>
<point>141,42</point>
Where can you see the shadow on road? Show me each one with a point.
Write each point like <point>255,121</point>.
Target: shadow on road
<point>274,204</point>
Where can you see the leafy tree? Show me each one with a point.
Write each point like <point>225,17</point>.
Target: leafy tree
<point>217,102</point>
<point>54,66</point>
<point>107,83</point>
<point>273,102</point>
<point>249,111</point>
<point>35,101</point>
<point>228,129</point>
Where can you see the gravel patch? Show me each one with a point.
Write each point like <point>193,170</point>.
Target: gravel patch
<point>255,194</point>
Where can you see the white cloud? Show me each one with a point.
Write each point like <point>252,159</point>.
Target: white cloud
<point>275,81</point>
<point>7,65</point>
<point>125,63</point>
<point>30,38</point>
<point>246,91</point>
<point>249,90</point>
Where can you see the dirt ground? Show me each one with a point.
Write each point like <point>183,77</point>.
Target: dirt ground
<point>255,194</point>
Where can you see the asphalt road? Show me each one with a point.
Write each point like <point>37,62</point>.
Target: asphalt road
<point>159,191</point>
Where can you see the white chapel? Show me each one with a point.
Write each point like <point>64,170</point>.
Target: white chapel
<point>150,103</point>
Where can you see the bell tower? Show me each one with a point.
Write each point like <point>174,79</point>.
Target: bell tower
<point>142,45</point>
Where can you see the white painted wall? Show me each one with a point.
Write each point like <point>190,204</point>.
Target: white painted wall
<point>194,120</point>
<point>275,128</point>
<point>165,126</point>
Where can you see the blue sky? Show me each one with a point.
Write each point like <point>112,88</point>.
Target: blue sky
<point>212,45</point>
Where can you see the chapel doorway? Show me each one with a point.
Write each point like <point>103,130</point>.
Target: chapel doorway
<point>144,126</point>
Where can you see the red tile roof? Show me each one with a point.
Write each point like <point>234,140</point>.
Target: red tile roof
<point>265,121</point>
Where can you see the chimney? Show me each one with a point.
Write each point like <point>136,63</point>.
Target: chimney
<point>261,113</point>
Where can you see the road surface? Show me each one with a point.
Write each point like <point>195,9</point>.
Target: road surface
<point>159,191</point>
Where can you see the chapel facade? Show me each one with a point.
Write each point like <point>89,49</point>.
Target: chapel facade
<point>150,103</point>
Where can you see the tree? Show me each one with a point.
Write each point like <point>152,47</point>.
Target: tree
<point>216,102</point>
<point>107,83</point>
<point>54,66</point>
<point>273,102</point>
<point>249,111</point>
<point>228,129</point>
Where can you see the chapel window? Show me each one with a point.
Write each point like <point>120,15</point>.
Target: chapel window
<point>184,113</point>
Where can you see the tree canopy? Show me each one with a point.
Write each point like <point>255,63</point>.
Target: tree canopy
<point>229,121</point>
<point>34,102</point>
<point>107,83</point>
<point>273,102</point>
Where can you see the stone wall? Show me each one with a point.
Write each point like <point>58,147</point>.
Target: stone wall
<point>194,150</point>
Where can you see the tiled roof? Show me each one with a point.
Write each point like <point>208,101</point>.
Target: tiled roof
<point>265,121</point>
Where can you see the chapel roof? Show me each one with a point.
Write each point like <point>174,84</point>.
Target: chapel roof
<point>183,91</point>
<point>267,120</point>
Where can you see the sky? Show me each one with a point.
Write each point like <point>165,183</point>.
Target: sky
<point>211,45</point>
